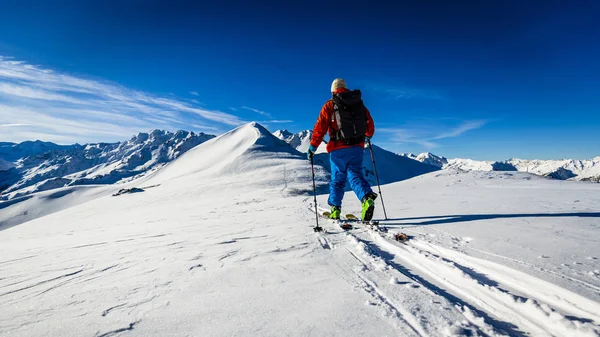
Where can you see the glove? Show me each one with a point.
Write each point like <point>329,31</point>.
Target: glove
<point>311,151</point>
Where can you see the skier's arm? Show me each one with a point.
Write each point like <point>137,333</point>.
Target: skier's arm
<point>322,125</point>
<point>370,125</point>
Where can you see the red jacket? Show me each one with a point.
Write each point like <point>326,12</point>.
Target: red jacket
<point>326,123</point>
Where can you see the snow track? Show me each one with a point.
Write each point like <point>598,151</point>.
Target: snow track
<point>494,299</point>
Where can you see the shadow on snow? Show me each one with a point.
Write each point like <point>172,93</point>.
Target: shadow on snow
<point>447,219</point>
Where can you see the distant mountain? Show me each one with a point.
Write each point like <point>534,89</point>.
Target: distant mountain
<point>427,158</point>
<point>45,166</point>
<point>564,169</point>
<point>13,152</point>
<point>299,141</point>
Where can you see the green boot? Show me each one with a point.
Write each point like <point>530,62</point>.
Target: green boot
<point>335,213</point>
<point>368,206</point>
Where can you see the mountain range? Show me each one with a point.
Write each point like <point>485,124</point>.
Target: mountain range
<point>563,169</point>
<point>35,166</point>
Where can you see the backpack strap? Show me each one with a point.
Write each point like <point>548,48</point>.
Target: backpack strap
<point>336,118</point>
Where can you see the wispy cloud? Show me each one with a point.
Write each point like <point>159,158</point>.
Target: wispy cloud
<point>429,134</point>
<point>460,129</point>
<point>66,108</point>
<point>266,114</point>
<point>277,121</point>
<point>401,91</point>
<point>12,125</point>
<point>412,93</point>
<point>194,93</point>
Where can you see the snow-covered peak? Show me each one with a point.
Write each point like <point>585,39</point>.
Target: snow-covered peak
<point>282,134</point>
<point>463,164</point>
<point>408,155</point>
<point>299,141</point>
<point>427,158</point>
<point>432,159</point>
<point>244,152</point>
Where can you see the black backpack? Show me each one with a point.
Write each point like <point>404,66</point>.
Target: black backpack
<point>350,114</point>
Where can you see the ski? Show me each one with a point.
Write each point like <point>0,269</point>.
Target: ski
<point>374,225</point>
<point>342,223</point>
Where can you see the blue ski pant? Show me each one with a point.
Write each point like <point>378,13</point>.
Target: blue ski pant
<point>347,165</point>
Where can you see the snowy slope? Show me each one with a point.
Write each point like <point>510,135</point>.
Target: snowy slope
<point>469,165</point>
<point>52,166</point>
<point>224,247</point>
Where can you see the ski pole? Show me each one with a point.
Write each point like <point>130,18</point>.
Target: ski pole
<point>312,166</point>
<point>377,177</point>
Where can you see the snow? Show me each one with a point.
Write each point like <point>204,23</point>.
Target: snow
<point>587,170</point>
<point>45,166</point>
<point>220,243</point>
<point>299,141</point>
<point>427,158</point>
<point>469,165</point>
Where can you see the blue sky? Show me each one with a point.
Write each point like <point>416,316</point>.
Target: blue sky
<point>479,79</point>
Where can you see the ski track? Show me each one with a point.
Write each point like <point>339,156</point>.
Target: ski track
<point>548,309</point>
<point>494,298</point>
<point>427,313</point>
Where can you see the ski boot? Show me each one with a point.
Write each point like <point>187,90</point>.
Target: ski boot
<point>368,206</point>
<point>335,213</point>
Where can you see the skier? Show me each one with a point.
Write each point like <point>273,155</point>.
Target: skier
<point>349,124</point>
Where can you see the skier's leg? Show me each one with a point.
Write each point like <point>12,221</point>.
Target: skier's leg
<point>358,183</point>
<point>338,178</point>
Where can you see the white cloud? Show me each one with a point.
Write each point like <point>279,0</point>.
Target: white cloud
<point>277,121</point>
<point>428,134</point>
<point>266,114</point>
<point>47,103</point>
<point>194,93</point>
<point>13,125</point>
<point>460,129</point>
